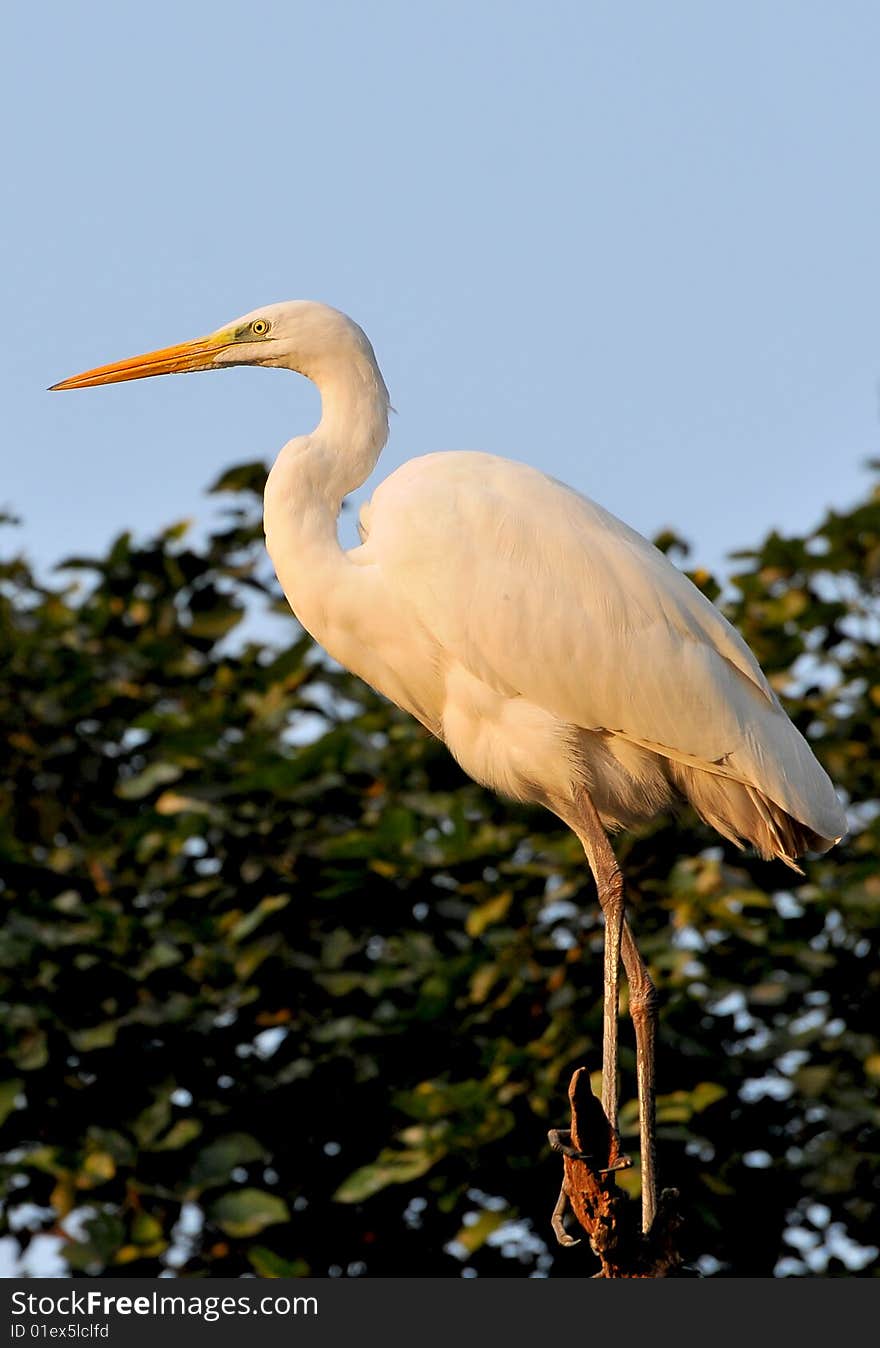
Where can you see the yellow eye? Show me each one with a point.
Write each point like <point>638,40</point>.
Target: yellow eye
<point>259,327</point>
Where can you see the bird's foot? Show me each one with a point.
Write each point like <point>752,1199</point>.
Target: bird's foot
<point>556,1222</point>
<point>560,1140</point>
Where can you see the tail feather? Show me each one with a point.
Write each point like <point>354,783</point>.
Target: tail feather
<point>744,815</point>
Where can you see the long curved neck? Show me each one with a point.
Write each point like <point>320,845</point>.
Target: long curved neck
<point>313,474</point>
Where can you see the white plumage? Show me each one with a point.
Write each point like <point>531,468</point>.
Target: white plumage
<point>566,644</point>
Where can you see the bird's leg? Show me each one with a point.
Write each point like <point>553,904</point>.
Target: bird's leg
<point>609,884</point>
<point>619,941</point>
<point>643,1010</point>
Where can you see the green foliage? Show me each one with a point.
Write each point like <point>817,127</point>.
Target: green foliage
<point>282,992</point>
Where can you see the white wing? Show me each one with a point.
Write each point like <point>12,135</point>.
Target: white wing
<point>541,593</point>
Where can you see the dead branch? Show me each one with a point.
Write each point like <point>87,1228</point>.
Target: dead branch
<point>590,1156</point>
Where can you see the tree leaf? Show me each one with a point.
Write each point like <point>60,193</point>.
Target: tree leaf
<point>392,1167</point>
<point>215,1162</point>
<point>493,910</point>
<point>246,1212</point>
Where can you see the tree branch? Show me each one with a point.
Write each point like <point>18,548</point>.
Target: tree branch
<point>590,1156</point>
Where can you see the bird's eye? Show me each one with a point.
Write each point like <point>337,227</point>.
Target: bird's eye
<point>259,327</point>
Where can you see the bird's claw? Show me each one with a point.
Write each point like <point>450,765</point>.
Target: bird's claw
<point>556,1223</point>
<point>622,1163</point>
<point>556,1138</point>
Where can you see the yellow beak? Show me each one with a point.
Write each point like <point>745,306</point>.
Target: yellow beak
<point>187,356</point>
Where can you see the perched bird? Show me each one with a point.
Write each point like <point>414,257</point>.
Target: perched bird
<point>561,658</point>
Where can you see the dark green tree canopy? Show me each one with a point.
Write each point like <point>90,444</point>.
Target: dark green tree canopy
<point>282,992</point>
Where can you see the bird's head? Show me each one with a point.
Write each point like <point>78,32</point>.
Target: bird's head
<point>296,335</point>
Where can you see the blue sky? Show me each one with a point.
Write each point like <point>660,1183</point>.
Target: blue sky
<point>635,244</point>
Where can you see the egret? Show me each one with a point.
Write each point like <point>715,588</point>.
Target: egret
<point>561,657</point>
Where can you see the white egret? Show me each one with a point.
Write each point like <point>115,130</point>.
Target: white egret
<point>561,658</point>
